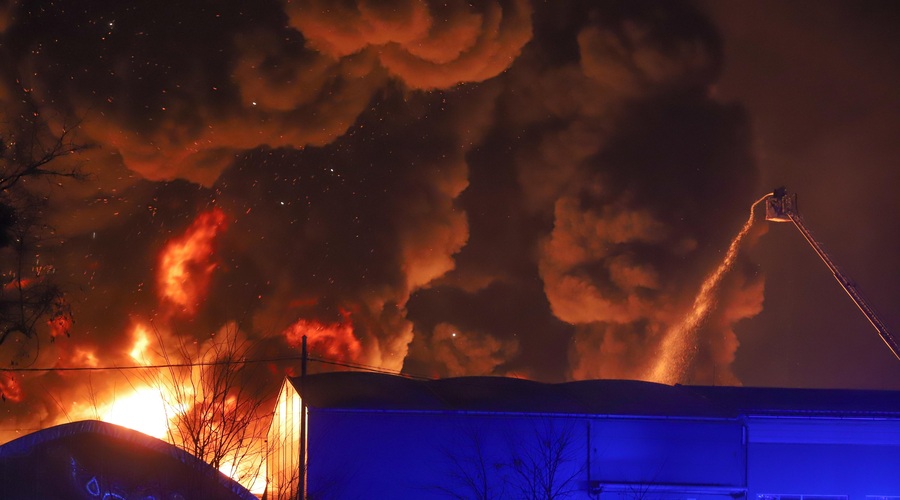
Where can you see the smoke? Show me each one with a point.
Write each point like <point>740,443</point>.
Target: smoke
<point>457,353</point>
<point>549,181</point>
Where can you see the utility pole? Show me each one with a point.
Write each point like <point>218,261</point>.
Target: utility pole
<point>301,487</point>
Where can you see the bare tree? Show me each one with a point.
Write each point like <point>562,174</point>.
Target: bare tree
<point>544,464</point>
<point>214,412</point>
<point>28,293</point>
<point>473,472</point>
<point>32,151</point>
<point>546,467</point>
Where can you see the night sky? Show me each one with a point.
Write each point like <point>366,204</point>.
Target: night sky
<point>513,187</point>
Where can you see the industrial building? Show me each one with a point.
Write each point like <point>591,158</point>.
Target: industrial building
<point>372,435</point>
<point>90,460</point>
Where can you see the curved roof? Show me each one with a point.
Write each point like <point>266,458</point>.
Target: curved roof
<point>376,391</point>
<point>90,458</point>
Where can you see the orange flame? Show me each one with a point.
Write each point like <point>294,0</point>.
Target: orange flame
<point>335,340</point>
<point>677,347</point>
<point>145,410</point>
<point>10,390</point>
<point>186,264</point>
<point>138,350</point>
<point>60,325</point>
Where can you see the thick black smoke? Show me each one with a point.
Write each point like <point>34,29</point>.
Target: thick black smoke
<point>503,187</point>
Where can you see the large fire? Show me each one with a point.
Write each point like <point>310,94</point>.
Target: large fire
<point>186,263</point>
<point>158,398</point>
<point>145,410</point>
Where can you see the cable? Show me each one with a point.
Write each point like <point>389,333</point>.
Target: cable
<point>147,367</point>
<point>370,369</point>
<point>327,361</point>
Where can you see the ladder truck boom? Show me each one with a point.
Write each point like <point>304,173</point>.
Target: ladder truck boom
<point>782,207</point>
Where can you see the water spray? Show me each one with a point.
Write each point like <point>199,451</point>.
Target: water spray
<point>678,346</point>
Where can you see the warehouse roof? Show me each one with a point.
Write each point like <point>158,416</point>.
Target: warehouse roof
<point>98,459</point>
<point>375,391</point>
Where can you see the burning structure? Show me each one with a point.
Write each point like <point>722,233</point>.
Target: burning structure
<point>494,187</point>
<point>492,437</point>
<point>450,188</point>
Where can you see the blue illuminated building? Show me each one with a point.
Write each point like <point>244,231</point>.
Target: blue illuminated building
<point>92,460</point>
<point>380,436</point>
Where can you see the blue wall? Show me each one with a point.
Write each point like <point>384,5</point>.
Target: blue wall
<point>824,456</point>
<point>425,455</point>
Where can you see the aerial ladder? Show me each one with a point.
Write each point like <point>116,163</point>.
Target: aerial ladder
<point>781,206</point>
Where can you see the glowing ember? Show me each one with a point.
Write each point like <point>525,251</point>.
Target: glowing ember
<point>186,264</point>
<point>144,410</point>
<point>335,340</point>
<point>677,347</point>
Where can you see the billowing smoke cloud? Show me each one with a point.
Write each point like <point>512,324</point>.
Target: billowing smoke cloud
<point>548,180</point>
<point>182,97</point>
<point>427,45</point>
<point>456,352</point>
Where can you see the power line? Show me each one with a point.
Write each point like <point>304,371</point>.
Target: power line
<point>147,367</point>
<point>327,361</point>
<point>369,368</point>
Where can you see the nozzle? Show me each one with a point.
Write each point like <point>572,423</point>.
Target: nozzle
<point>781,205</point>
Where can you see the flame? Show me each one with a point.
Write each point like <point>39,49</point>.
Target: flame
<point>10,390</point>
<point>145,410</point>
<point>60,325</point>
<point>83,356</point>
<point>141,341</point>
<point>186,264</point>
<point>677,347</point>
<point>335,340</point>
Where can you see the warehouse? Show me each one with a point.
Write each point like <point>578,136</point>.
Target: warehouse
<point>381,436</point>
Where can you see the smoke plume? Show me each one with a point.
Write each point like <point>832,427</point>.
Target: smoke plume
<point>447,188</point>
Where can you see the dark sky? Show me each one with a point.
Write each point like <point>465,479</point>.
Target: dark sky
<point>520,188</point>
<point>819,81</point>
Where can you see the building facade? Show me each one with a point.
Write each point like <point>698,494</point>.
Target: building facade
<point>381,436</point>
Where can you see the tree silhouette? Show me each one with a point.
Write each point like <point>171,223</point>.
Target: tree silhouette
<point>29,152</point>
<point>214,412</point>
<point>544,464</point>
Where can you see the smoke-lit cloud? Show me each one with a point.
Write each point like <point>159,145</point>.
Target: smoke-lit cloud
<point>550,181</point>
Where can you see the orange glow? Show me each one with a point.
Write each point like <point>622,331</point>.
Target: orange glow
<point>186,264</point>
<point>141,342</point>
<point>335,340</point>
<point>15,284</point>
<point>677,347</point>
<point>60,325</point>
<point>10,390</point>
<point>84,357</point>
<point>144,410</point>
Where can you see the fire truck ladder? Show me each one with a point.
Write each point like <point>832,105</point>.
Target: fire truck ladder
<point>782,207</point>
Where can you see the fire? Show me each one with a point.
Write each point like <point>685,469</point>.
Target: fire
<point>60,325</point>
<point>186,264</point>
<point>335,340</point>
<point>141,341</point>
<point>677,348</point>
<point>10,390</point>
<point>144,410</point>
